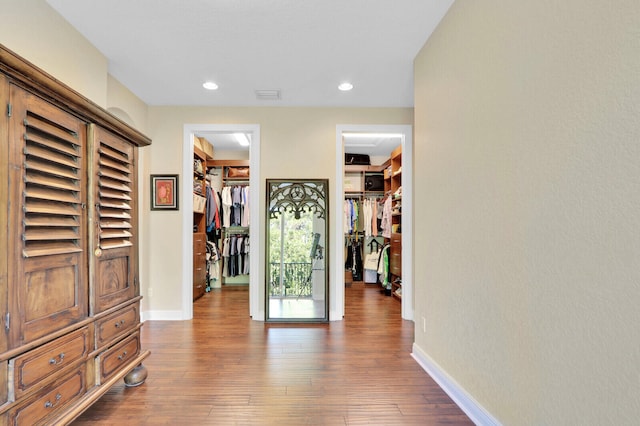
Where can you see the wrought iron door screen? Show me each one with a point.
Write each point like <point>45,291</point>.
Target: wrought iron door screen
<point>297,198</point>
<point>297,233</point>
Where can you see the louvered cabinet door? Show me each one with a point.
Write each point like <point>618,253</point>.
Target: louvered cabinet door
<point>47,219</point>
<point>114,183</point>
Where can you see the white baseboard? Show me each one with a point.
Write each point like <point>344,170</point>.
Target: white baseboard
<point>470,406</point>
<point>161,316</point>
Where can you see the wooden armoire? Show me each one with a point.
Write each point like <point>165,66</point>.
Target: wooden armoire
<point>69,290</point>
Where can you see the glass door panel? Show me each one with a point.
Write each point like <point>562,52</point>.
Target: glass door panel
<point>297,241</point>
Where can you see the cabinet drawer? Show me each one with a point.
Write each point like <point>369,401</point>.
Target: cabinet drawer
<point>33,367</point>
<point>199,261</point>
<point>198,291</point>
<point>50,400</point>
<point>116,324</point>
<point>200,241</point>
<point>199,250</point>
<point>111,360</point>
<point>199,273</point>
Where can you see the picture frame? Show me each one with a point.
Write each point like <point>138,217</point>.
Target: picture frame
<point>164,192</point>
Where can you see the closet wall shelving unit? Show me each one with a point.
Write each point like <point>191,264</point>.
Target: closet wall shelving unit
<point>200,159</point>
<point>226,165</point>
<point>355,187</point>
<point>69,290</point>
<point>393,178</point>
<point>356,176</point>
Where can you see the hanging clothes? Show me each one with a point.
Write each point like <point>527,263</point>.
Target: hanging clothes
<point>351,215</point>
<point>355,215</point>
<point>374,217</point>
<point>371,261</point>
<point>213,218</point>
<point>245,270</point>
<point>357,261</point>
<point>236,200</point>
<point>353,262</point>
<point>225,257</point>
<point>214,230</point>
<point>235,254</point>
<point>348,263</point>
<point>383,267</point>
<point>346,222</point>
<point>227,202</point>
<point>214,262</point>
<point>235,203</point>
<point>245,207</point>
<point>366,216</point>
<point>386,218</point>
<point>361,216</point>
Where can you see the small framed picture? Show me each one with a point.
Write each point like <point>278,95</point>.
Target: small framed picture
<point>164,192</point>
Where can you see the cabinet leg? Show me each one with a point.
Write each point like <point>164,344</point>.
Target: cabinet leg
<point>136,377</point>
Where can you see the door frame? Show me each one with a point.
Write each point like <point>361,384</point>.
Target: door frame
<point>337,308</point>
<point>256,310</point>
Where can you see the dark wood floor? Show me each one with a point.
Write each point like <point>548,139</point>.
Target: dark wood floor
<point>224,369</point>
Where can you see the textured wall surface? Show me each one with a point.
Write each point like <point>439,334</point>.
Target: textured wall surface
<point>33,30</point>
<point>527,154</point>
<point>295,143</point>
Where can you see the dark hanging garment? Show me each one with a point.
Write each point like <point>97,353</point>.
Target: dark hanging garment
<point>348,264</point>
<point>236,211</point>
<point>356,269</point>
<point>233,256</point>
<point>240,251</point>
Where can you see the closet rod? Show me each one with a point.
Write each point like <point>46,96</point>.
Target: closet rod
<point>236,230</point>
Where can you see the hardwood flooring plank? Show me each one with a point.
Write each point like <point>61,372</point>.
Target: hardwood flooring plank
<point>222,368</point>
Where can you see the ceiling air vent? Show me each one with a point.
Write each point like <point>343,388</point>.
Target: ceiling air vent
<point>268,95</point>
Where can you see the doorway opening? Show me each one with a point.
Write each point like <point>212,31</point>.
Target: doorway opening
<point>190,132</point>
<point>402,196</point>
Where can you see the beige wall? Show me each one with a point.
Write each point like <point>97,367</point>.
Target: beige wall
<point>125,105</point>
<point>527,134</point>
<point>295,143</point>
<point>33,30</point>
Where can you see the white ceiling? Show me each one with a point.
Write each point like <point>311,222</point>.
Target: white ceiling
<point>164,50</point>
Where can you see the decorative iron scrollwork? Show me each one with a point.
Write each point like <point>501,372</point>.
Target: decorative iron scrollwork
<point>297,198</point>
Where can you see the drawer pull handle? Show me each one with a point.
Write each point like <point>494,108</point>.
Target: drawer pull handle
<point>54,361</point>
<point>121,357</point>
<point>119,323</point>
<point>50,404</point>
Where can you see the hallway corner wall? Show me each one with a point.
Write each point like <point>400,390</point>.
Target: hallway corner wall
<point>526,137</point>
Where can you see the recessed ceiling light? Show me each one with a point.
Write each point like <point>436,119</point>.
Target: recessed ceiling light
<point>345,87</point>
<point>210,85</point>
<point>242,139</point>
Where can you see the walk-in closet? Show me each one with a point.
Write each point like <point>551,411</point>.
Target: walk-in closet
<point>221,217</point>
<point>372,213</point>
